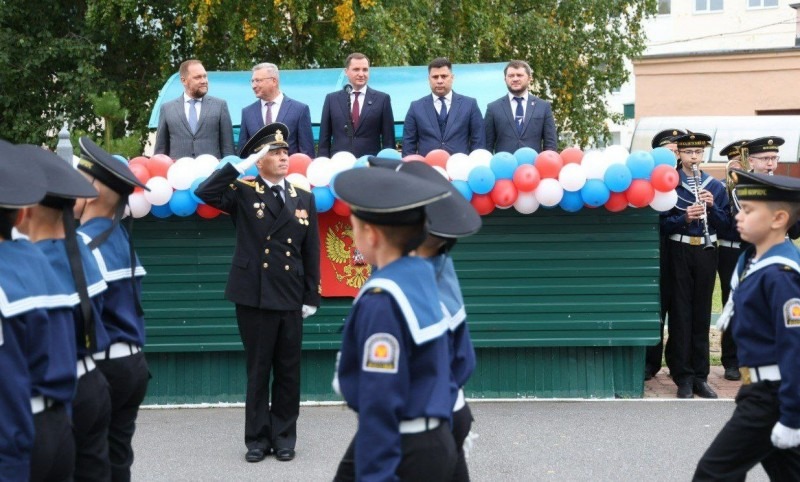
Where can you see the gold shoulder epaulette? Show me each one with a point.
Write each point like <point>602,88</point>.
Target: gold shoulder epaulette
<point>247,183</point>
<point>300,187</point>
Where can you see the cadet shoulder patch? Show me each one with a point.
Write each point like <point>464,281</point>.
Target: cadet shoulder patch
<point>381,354</point>
<point>791,313</point>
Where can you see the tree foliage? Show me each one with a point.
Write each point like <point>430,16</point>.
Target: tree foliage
<point>48,68</point>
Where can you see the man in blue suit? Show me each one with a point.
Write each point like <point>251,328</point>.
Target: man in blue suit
<point>356,119</point>
<point>273,106</point>
<point>444,119</point>
<point>519,119</point>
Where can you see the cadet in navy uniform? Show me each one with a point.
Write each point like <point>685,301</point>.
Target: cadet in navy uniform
<point>394,369</point>
<point>694,267</point>
<point>764,316</point>
<point>23,277</point>
<point>654,354</point>
<point>51,226</point>
<point>274,282</point>
<point>123,362</point>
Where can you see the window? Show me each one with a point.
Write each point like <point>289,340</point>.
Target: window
<point>708,5</point>
<point>762,3</point>
<point>665,7</point>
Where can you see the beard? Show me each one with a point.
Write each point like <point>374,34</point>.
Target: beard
<point>199,92</point>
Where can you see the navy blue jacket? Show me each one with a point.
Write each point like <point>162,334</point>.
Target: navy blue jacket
<point>294,114</point>
<point>464,131</point>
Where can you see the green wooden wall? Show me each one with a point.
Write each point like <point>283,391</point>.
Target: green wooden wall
<point>559,305</point>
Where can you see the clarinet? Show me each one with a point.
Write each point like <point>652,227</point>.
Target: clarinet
<point>707,244</point>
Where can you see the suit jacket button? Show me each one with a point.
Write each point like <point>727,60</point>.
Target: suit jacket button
<point>269,237</point>
<point>265,265</point>
<point>288,253</point>
<point>286,267</point>
<point>289,240</point>
<point>266,251</point>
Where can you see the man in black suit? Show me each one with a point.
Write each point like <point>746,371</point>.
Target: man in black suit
<point>519,119</point>
<point>271,106</point>
<point>356,119</point>
<point>274,282</point>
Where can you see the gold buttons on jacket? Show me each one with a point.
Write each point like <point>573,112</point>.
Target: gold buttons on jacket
<point>265,265</point>
<point>286,267</point>
<point>269,237</point>
<point>289,241</point>
<point>288,253</point>
<point>266,251</point>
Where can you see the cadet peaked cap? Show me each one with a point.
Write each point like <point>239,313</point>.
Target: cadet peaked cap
<point>386,196</point>
<point>63,182</point>
<point>763,187</point>
<point>270,137</point>
<point>693,139</point>
<point>375,161</point>
<point>733,149</point>
<point>764,144</point>
<point>665,137</point>
<point>106,168</point>
<point>22,183</point>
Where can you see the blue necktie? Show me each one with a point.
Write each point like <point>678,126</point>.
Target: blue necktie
<point>519,117</point>
<point>193,115</point>
<point>442,115</point>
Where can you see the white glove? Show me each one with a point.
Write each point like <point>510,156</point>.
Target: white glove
<point>468,442</point>
<point>784,437</point>
<point>308,310</point>
<point>247,163</point>
<point>335,382</point>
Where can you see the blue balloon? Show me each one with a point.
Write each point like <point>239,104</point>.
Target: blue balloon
<point>463,188</point>
<point>121,158</point>
<point>390,153</point>
<point>231,159</point>
<point>641,164</point>
<point>361,162</point>
<point>193,188</point>
<point>182,204</point>
<point>251,171</point>
<point>618,177</point>
<point>503,164</point>
<point>571,201</point>
<point>323,198</point>
<point>525,155</point>
<point>481,179</point>
<point>595,193</point>
<point>662,155</point>
<point>162,211</point>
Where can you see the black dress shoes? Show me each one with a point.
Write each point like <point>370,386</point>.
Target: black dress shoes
<point>284,455</point>
<point>703,390</point>
<point>255,455</point>
<point>733,373</point>
<point>685,390</point>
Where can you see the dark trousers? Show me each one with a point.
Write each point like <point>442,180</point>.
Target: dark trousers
<point>653,354</point>
<point>745,440</point>
<point>128,377</point>
<point>692,282</point>
<point>91,415</point>
<point>426,456</point>
<point>272,343</point>
<point>727,263</point>
<point>462,423</point>
<point>53,456</point>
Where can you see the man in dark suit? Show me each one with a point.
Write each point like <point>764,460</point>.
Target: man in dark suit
<point>274,282</point>
<point>519,119</point>
<point>356,119</point>
<point>444,119</point>
<point>194,123</point>
<point>273,106</point>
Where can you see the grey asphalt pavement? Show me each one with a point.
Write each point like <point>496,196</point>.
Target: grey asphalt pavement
<point>614,440</point>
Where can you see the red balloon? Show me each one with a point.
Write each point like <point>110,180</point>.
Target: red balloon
<point>549,164</point>
<point>140,171</point>
<point>414,157</point>
<point>616,202</point>
<point>640,193</point>
<point>438,157</point>
<point>138,160</point>
<point>504,193</point>
<point>664,178</point>
<point>341,208</point>
<point>298,163</point>
<point>572,155</point>
<point>207,212</point>
<point>158,165</point>
<point>482,203</point>
<point>526,178</point>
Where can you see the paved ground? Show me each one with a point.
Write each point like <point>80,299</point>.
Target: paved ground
<point>661,386</point>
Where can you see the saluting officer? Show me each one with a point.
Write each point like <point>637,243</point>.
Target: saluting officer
<point>274,282</point>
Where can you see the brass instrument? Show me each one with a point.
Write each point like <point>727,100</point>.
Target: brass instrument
<point>707,244</point>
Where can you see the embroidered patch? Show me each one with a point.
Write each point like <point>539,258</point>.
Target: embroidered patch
<point>791,313</point>
<point>381,353</point>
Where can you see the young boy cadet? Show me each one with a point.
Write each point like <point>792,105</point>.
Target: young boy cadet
<point>764,316</point>
<point>122,363</point>
<point>394,370</point>
<point>24,275</point>
<point>51,227</point>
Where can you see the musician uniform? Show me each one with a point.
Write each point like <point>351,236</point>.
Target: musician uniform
<point>765,322</point>
<point>692,276</point>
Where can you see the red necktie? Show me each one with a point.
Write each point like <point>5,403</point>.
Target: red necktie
<point>355,111</point>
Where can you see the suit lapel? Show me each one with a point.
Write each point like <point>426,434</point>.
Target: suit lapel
<point>432,116</point>
<point>452,115</point>
<point>286,106</point>
<point>289,206</point>
<point>344,102</point>
<point>366,107</point>
<point>506,106</point>
<point>204,112</point>
<point>180,109</point>
<point>528,113</point>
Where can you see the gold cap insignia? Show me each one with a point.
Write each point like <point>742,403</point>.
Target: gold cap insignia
<point>770,142</point>
<point>278,136</point>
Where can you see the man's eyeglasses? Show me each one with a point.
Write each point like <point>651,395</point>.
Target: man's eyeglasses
<point>692,152</point>
<point>766,158</point>
<point>258,81</point>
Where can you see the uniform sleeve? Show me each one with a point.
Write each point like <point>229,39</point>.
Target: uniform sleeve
<point>162,133</point>
<point>477,132</point>
<point>388,140</point>
<point>325,129</point>
<point>225,131</point>
<point>305,135</point>
<point>672,221</point>
<point>550,134</point>
<point>719,215</point>
<point>784,292</point>
<point>311,295</point>
<point>217,192</point>
<point>244,133</point>
<point>488,123</point>
<point>16,420</point>
<point>410,136</point>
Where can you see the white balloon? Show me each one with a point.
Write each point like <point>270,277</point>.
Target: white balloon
<point>526,203</point>
<point>664,201</point>
<point>549,192</point>
<point>299,180</point>
<point>481,156</point>
<point>441,171</point>
<point>320,171</point>
<point>160,191</point>
<point>181,174</point>
<point>459,165</point>
<point>342,161</point>
<point>206,159</point>
<point>572,177</point>
<point>138,205</point>
<point>594,164</point>
<point>615,154</point>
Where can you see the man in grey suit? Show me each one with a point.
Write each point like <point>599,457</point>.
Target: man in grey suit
<point>519,119</point>
<point>194,123</point>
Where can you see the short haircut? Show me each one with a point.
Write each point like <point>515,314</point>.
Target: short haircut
<point>405,238</point>
<point>354,56</point>
<point>440,62</point>
<point>792,208</point>
<point>517,64</point>
<point>184,68</point>
<point>272,68</point>
<point>8,217</point>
